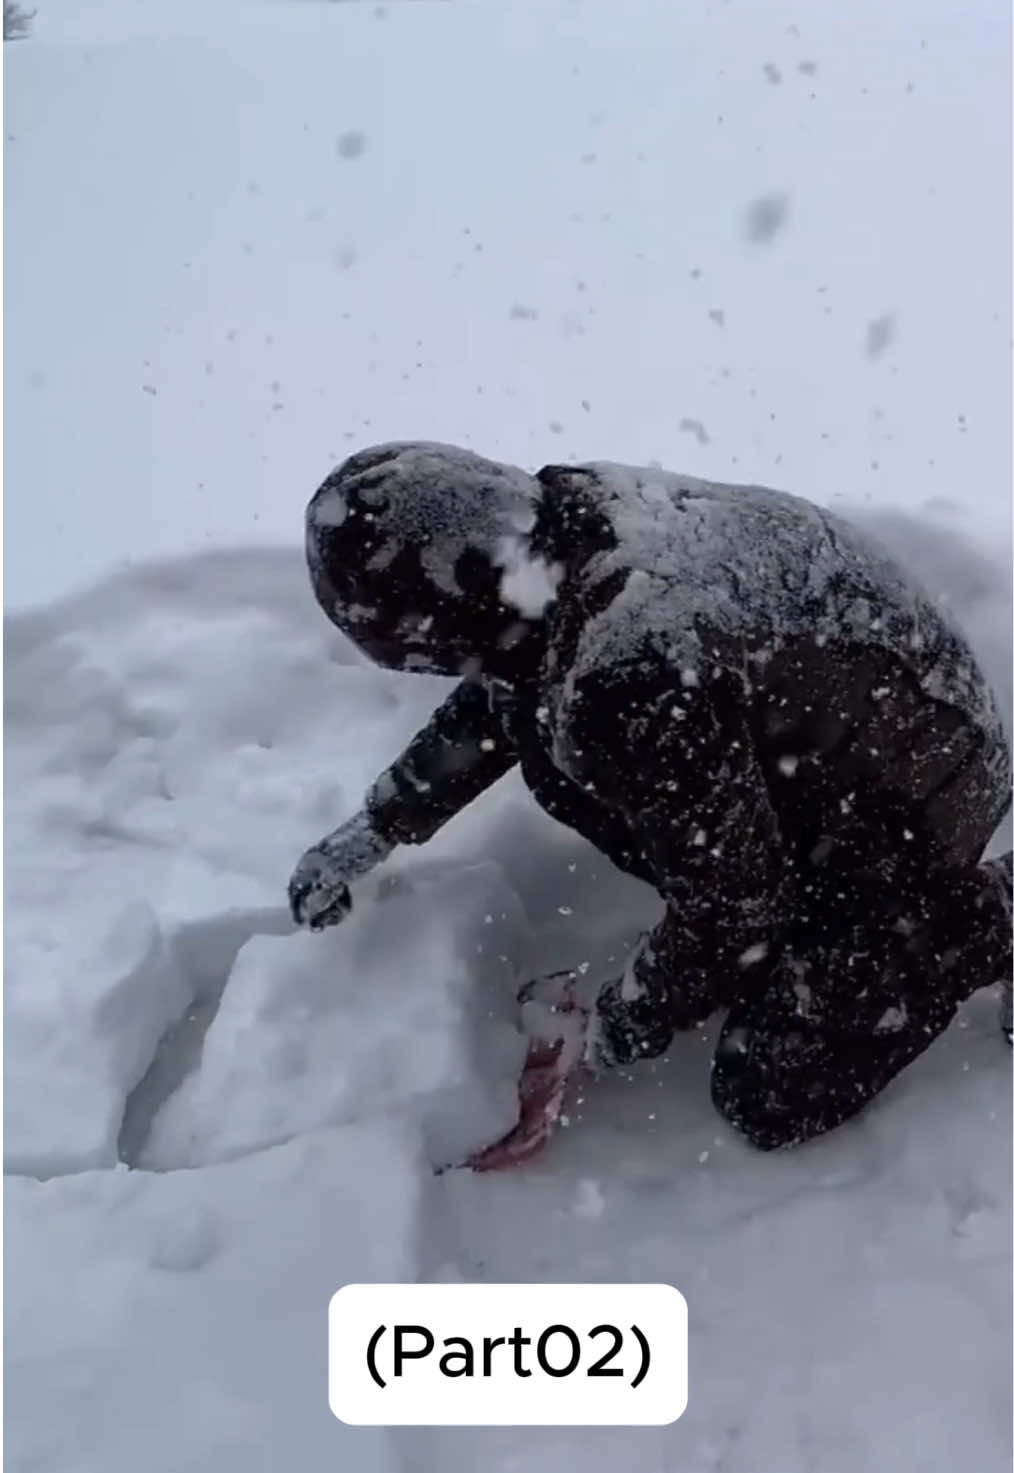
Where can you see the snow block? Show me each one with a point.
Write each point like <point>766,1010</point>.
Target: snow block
<point>84,1011</point>
<point>400,1009</point>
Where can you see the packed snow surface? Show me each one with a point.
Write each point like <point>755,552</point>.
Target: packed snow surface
<point>242,241</point>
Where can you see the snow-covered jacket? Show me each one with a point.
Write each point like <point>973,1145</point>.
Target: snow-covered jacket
<point>699,678</point>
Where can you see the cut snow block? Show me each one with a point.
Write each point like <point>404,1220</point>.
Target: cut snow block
<point>83,1014</point>
<point>407,1000</point>
<point>179,1320</point>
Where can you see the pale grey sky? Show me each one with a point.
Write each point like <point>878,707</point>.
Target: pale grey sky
<point>540,245</point>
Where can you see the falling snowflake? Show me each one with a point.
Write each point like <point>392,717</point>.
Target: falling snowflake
<point>696,428</point>
<point>879,335</point>
<point>766,216</point>
<point>351,145</point>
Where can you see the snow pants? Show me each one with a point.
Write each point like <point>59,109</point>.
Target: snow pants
<point>881,941</point>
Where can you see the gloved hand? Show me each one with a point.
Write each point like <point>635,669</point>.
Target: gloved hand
<point>319,888</point>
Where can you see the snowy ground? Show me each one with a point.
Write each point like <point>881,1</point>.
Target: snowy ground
<point>177,733</point>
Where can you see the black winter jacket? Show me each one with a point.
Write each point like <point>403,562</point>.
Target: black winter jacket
<point>723,672</point>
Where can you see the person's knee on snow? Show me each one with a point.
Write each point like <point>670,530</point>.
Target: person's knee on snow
<point>854,999</point>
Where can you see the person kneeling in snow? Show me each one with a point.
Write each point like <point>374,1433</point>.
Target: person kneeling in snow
<point>738,699</point>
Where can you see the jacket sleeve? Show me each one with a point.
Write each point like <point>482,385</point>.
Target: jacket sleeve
<point>461,751</point>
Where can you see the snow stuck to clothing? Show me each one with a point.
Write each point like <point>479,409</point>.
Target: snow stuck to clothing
<point>528,582</point>
<point>439,498</point>
<point>759,567</point>
<point>256,282</point>
<point>175,738</point>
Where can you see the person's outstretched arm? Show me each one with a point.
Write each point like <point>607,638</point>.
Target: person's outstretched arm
<point>462,750</point>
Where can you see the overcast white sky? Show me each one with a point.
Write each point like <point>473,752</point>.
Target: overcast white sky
<point>243,239</point>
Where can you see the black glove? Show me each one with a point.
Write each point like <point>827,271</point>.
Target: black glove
<point>319,888</point>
